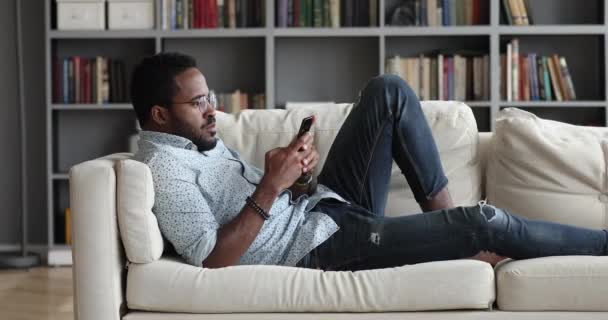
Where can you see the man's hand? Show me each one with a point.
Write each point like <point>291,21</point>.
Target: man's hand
<point>283,166</point>
<point>310,162</point>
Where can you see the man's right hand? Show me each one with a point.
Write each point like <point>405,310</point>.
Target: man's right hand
<point>283,166</point>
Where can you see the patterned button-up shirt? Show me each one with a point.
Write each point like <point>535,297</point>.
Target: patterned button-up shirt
<point>196,193</point>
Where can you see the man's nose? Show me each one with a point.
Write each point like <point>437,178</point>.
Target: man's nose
<point>209,112</point>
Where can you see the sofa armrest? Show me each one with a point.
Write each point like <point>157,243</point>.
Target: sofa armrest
<point>97,253</point>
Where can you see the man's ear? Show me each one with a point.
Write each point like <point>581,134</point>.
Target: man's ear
<point>159,115</point>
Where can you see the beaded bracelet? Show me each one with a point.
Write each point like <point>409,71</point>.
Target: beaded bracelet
<point>257,208</point>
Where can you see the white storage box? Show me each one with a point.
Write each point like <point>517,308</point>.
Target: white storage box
<point>130,14</point>
<point>81,15</point>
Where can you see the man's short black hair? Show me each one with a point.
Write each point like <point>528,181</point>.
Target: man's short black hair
<point>153,81</point>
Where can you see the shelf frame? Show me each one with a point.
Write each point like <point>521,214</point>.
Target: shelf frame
<point>494,31</point>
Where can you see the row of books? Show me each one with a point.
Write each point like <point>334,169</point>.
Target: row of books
<point>239,100</point>
<point>445,76</point>
<point>439,13</point>
<point>89,80</point>
<point>200,14</point>
<point>533,77</point>
<point>517,12</point>
<point>326,13</point>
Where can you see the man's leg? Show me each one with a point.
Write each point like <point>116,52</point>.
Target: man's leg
<point>371,242</point>
<point>386,123</point>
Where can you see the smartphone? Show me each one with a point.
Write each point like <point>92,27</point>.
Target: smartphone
<point>306,125</point>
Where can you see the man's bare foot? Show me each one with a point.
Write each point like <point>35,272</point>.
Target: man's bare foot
<point>489,257</point>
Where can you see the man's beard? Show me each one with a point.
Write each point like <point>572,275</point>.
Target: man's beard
<point>194,135</point>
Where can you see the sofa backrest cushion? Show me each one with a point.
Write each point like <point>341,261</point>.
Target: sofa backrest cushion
<point>138,227</point>
<point>253,133</point>
<point>455,131</point>
<point>549,170</point>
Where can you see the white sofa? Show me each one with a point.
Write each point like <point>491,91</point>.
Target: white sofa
<point>543,169</point>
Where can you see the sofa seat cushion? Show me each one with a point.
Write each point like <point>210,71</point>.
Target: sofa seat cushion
<point>571,283</point>
<point>549,170</point>
<point>171,286</point>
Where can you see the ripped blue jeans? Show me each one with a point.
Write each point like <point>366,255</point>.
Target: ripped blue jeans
<point>388,123</point>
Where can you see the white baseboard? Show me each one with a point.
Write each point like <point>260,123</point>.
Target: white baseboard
<point>60,257</point>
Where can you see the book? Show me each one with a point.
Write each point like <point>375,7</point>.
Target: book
<point>515,66</point>
<point>534,94</point>
<point>334,8</point>
<point>509,72</point>
<point>525,79</point>
<point>567,78</point>
<point>317,13</point>
<point>373,12</point>
<point>440,78</point>
<point>232,13</point>
<point>560,78</point>
<point>554,79</point>
<point>508,15</point>
<point>326,14</point>
<point>524,13</point>
<point>547,79</point>
<point>516,15</point>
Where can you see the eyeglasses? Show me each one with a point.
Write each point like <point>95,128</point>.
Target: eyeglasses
<point>203,102</point>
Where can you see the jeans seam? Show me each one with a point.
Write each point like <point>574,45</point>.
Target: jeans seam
<point>369,160</point>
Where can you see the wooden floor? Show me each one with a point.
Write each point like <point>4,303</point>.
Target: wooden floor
<point>39,293</point>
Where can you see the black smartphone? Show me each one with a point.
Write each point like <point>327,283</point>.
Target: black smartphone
<point>306,125</point>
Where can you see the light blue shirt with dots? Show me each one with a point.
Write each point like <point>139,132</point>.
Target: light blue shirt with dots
<point>198,192</point>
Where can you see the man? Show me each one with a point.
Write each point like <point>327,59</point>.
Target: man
<point>217,210</point>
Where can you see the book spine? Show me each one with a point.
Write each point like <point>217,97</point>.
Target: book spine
<point>186,11</point>
<point>554,80</point>
<point>476,12</point>
<point>567,78</point>
<point>542,94</point>
<point>515,14</point>
<point>232,13</point>
<point>318,13</point>
<point>525,81</point>
<point>373,13</point>
<point>446,12</point>
<point>220,14</point>
<point>523,12</point>
<point>486,77</point>
<point>434,83</point>
<point>440,78</point>
<point>296,13</point>
<point>334,7</point>
<point>509,72</point>
<point>290,19</point>
<point>516,78</point>
<point>547,80</point>
<point>537,85</point>
<point>507,12</point>
<point>423,13</point>
<point>477,78</point>
<point>326,14</point>
<point>562,83</point>
<point>532,75</point>
<point>453,13</point>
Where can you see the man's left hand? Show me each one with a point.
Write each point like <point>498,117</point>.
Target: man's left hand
<point>310,162</point>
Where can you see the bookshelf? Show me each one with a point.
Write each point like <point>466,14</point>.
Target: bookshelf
<point>316,64</point>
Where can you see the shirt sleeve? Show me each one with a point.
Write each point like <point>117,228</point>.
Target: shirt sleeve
<point>183,214</point>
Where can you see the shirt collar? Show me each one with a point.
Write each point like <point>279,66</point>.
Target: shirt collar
<point>167,139</point>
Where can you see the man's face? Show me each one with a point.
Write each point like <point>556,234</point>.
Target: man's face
<point>186,118</point>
